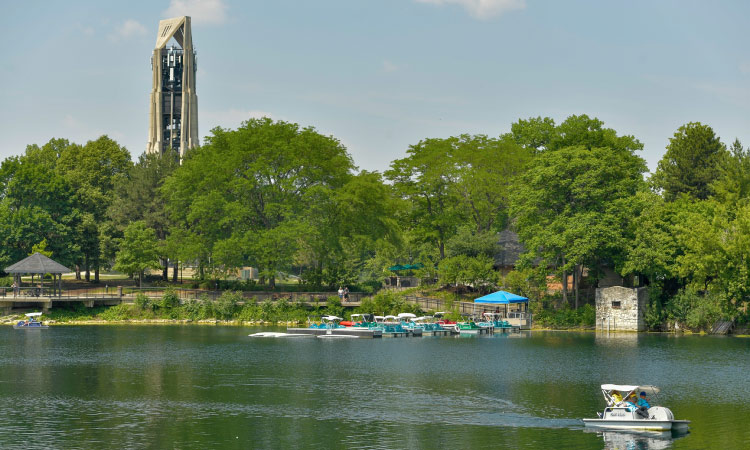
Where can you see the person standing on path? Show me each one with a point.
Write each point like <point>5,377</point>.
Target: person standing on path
<point>346,294</point>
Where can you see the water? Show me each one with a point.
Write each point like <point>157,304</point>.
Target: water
<point>195,387</point>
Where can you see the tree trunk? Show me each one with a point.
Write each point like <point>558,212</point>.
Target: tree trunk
<point>575,283</point>
<point>78,272</point>
<point>174,271</point>
<point>564,282</point>
<point>272,282</point>
<point>165,270</point>
<point>96,274</point>
<point>140,279</point>
<point>86,265</point>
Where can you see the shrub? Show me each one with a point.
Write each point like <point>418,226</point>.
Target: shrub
<point>333,307</point>
<point>225,306</point>
<point>117,312</point>
<point>142,302</point>
<point>169,299</point>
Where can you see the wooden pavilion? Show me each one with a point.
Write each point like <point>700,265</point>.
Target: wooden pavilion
<point>38,264</point>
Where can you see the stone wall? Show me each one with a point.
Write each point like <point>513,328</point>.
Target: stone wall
<point>620,308</point>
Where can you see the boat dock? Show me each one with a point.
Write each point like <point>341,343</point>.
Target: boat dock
<point>363,333</point>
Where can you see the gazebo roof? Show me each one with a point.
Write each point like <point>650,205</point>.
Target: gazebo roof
<point>37,263</point>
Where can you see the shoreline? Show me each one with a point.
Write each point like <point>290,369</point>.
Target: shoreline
<point>240,323</point>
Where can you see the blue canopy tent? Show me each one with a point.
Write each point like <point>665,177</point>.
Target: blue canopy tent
<point>502,298</point>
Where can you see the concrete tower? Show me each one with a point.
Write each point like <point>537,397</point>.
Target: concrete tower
<point>173,109</point>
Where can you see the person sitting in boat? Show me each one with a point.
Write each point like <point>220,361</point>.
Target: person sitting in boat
<point>643,405</point>
<point>616,397</point>
<point>630,403</point>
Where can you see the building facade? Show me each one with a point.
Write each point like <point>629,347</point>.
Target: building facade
<point>621,308</point>
<point>173,107</point>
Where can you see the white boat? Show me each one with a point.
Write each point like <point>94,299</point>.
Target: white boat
<point>275,334</point>
<point>32,322</point>
<point>623,415</point>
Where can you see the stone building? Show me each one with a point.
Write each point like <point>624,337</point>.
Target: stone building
<point>621,308</point>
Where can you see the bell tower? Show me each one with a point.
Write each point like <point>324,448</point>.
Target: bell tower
<point>173,108</point>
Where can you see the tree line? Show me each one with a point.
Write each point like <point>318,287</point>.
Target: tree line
<point>287,199</point>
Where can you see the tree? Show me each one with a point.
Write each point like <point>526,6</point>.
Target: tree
<point>691,163</point>
<point>572,206</point>
<point>733,185</point>
<point>242,197</point>
<point>582,139</point>
<point>91,170</point>
<point>448,182</point>
<point>138,250</point>
<point>37,203</point>
<point>137,195</point>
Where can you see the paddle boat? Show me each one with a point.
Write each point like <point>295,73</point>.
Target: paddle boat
<point>31,323</point>
<point>443,322</point>
<point>623,415</point>
<point>328,322</point>
<point>495,320</point>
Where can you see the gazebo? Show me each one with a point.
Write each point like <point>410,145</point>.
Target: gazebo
<point>38,264</point>
<point>503,298</point>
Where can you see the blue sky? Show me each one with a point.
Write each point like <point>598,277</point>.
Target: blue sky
<point>380,74</point>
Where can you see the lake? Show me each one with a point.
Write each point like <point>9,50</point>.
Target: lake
<point>197,387</point>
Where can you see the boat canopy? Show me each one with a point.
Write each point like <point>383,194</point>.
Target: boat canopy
<point>650,390</point>
<point>406,316</point>
<point>35,314</point>
<point>331,318</point>
<point>390,317</point>
<point>501,297</point>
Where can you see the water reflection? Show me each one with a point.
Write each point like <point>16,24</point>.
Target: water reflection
<point>637,440</point>
<point>614,339</point>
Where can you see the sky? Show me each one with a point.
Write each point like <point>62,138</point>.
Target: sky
<point>380,75</point>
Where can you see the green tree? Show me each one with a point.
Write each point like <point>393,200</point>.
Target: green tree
<point>91,170</point>
<point>241,198</point>
<point>138,250</point>
<point>733,185</point>
<point>137,195</point>
<point>37,203</point>
<point>448,182</point>
<point>691,163</point>
<point>581,232</point>
<point>573,205</point>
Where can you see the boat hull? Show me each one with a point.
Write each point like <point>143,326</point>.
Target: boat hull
<point>637,424</point>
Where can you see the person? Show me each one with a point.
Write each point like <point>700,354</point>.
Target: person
<point>616,397</point>
<point>341,293</point>
<point>643,403</point>
<point>15,289</point>
<point>346,294</point>
<point>630,403</point>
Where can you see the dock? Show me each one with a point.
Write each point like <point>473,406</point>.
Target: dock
<point>362,333</point>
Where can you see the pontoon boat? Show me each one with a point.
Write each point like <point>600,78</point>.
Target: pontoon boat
<point>624,415</point>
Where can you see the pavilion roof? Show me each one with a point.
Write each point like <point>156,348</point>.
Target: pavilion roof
<point>37,263</point>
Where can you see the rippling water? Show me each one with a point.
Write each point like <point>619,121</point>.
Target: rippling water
<point>206,387</point>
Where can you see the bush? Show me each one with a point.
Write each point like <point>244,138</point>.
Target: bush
<point>169,299</point>
<point>566,317</point>
<point>6,281</point>
<point>117,312</point>
<point>333,307</point>
<point>225,306</point>
<point>142,302</point>
<point>195,309</point>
